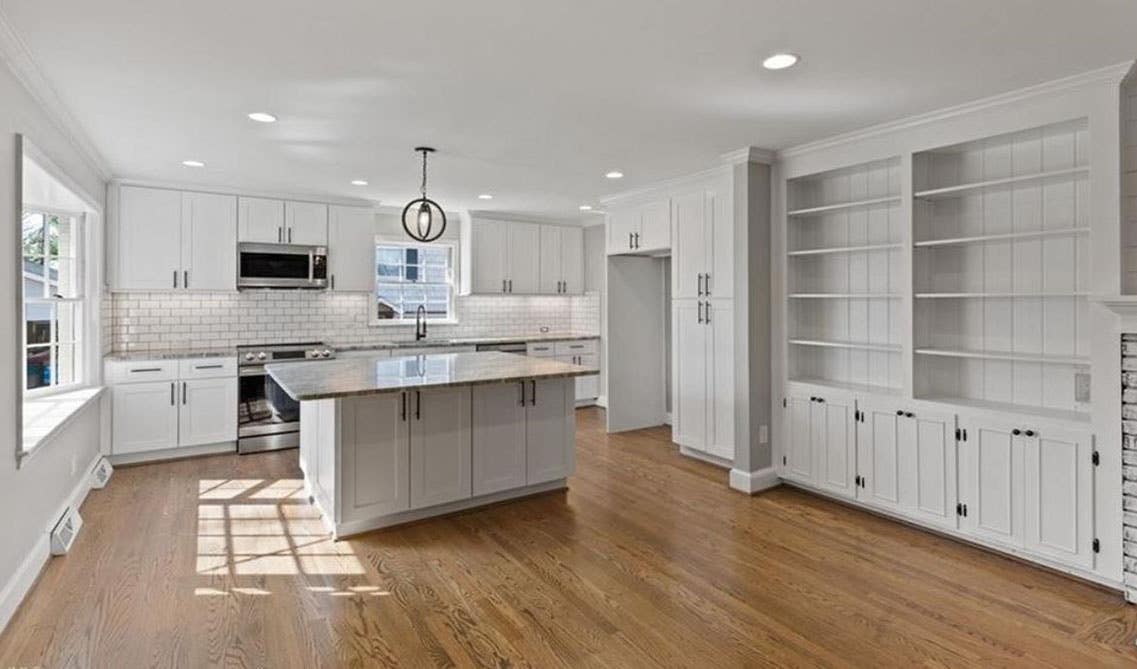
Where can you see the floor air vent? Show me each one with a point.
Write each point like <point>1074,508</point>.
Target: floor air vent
<point>63,534</point>
<point>101,473</point>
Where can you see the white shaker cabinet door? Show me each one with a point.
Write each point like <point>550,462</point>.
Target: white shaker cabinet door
<point>207,412</point>
<point>991,461</point>
<point>798,463</point>
<point>149,239</point>
<point>655,226</point>
<point>689,255</point>
<point>489,261</point>
<point>927,465</point>
<point>260,220</point>
<point>877,458</point>
<point>689,404</point>
<point>550,430</point>
<point>524,258</point>
<point>306,223</point>
<point>550,260</point>
<point>209,242</point>
<point>375,455</point>
<point>351,249</point>
<point>572,261</point>
<point>144,416</point>
<point>834,443</point>
<point>1058,490</point>
<point>498,417</point>
<point>440,446</point>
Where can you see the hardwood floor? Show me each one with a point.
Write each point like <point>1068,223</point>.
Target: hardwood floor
<point>647,560</point>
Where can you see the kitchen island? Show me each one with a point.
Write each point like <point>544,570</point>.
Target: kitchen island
<point>385,441</point>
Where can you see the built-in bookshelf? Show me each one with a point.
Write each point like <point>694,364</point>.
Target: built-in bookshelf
<point>845,244</point>
<point>1001,270</point>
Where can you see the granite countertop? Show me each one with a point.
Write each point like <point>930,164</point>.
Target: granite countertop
<point>172,354</point>
<point>331,379</point>
<point>467,341</point>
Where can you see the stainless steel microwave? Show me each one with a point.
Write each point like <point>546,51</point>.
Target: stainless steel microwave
<point>281,266</point>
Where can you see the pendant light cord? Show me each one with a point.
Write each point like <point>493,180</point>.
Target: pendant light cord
<point>424,174</point>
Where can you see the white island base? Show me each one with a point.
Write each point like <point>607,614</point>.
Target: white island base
<point>377,460</point>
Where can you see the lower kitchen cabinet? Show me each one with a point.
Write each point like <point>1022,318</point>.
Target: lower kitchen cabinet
<point>797,459</point>
<point>375,472</point>
<point>550,430</point>
<point>821,444</point>
<point>144,417</point>
<point>927,465</point>
<point>206,414</point>
<point>498,416</point>
<point>440,446</point>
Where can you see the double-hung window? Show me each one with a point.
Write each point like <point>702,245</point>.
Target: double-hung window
<point>409,276</point>
<point>53,300</point>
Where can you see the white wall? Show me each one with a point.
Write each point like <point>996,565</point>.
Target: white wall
<point>596,282</point>
<point>31,496</point>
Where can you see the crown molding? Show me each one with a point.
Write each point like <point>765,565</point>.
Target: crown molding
<point>16,54</point>
<point>666,184</point>
<point>273,195</point>
<point>749,154</point>
<point>1113,74</point>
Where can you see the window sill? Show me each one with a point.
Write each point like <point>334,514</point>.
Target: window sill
<point>410,324</point>
<point>47,415</point>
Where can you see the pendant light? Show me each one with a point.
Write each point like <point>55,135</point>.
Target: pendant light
<point>423,219</point>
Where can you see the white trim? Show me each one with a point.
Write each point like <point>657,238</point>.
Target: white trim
<point>753,482</point>
<point>53,170</point>
<point>176,453</point>
<point>1113,73</point>
<point>749,154</point>
<point>14,51</point>
<point>86,395</point>
<point>314,198</point>
<point>602,401</point>
<point>715,460</point>
<point>666,185</point>
<point>1122,305</point>
<point>23,580</point>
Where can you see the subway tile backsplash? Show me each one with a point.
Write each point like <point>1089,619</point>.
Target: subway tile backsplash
<point>165,321</point>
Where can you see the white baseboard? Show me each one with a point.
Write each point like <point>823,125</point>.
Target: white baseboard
<point>602,401</point>
<point>705,457</point>
<point>21,582</point>
<point>172,453</point>
<point>667,418</point>
<point>752,482</point>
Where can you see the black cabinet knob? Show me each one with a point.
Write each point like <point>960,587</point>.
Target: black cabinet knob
<point>1030,433</point>
<point>899,412</point>
<point>1016,432</point>
<point>910,414</point>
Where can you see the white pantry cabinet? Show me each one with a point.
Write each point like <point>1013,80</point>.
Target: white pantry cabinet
<point>702,259</point>
<point>351,249</point>
<point>643,228</point>
<point>703,383</point>
<point>440,446</point>
<point>562,260</point>
<point>174,240</point>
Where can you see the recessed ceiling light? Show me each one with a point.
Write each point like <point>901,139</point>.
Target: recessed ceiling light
<point>193,163</point>
<point>358,182</point>
<point>614,174</point>
<point>262,117</point>
<point>485,196</point>
<point>780,61</point>
<point>585,207</point>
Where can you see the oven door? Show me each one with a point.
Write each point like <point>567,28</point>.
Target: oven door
<point>267,418</point>
<point>281,266</point>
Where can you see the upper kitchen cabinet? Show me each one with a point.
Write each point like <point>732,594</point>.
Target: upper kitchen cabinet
<point>702,254</point>
<point>351,249</point>
<point>500,258</point>
<point>174,240</point>
<point>562,260</point>
<point>643,228</point>
<point>260,220</point>
<point>306,223</point>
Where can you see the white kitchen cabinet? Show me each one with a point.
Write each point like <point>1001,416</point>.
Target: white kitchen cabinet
<point>498,416</point>
<point>351,249</point>
<point>991,461</point>
<point>927,464</point>
<point>702,256</point>
<point>878,458</point>
<point>524,258</point>
<point>260,220</point>
<point>643,228</point>
<point>440,446</point>
<point>797,460</point>
<point>207,411</point>
<point>500,257</point>
<point>306,223</point>
<point>588,387</point>
<point>145,416</point>
<point>833,441</point>
<point>561,260</point>
<point>149,251</point>
<point>209,242</point>
<point>550,430</point>
<point>376,458</point>
<point>703,378</point>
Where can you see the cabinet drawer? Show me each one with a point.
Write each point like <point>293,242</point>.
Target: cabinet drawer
<point>207,368</point>
<point>136,371</point>
<point>540,350</point>
<point>576,347</point>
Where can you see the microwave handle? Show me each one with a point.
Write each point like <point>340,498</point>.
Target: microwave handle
<point>311,265</point>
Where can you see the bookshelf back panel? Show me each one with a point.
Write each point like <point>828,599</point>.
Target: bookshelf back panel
<point>1028,384</point>
<point>852,184</point>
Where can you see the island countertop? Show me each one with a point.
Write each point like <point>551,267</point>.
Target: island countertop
<point>330,379</point>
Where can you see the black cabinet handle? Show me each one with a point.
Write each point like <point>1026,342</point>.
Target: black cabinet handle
<point>1030,433</point>
<point>522,384</point>
<point>630,241</point>
<point>909,414</point>
<point>146,369</point>
<point>172,386</point>
<point>1016,432</point>
<point>899,412</point>
<point>503,285</point>
<point>418,405</point>
<point>403,406</point>
<point>533,393</point>
<point>637,240</point>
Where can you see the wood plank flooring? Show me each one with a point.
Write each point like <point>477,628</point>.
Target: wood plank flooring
<point>648,560</point>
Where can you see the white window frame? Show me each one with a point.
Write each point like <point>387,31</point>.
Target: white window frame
<point>451,317</point>
<point>81,301</point>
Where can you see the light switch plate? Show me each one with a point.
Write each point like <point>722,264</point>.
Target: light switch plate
<point>1082,387</point>
<point>763,434</point>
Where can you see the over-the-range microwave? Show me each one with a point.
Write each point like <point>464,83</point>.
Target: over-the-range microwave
<point>281,266</point>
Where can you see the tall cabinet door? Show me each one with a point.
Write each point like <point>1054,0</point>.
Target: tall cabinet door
<point>149,244</point>
<point>877,455</point>
<point>440,446</point>
<point>260,220</point>
<point>489,256</point>
<point>207,414</point>
<point>306,223</point>
<point>550,430</point>
<point>689,256</point>
<point>720,377</point>
<point>351,248</point>
<point>835,444</point>
<point>375,455</point>
<point>524,258</point>
<point>1058,491</point>
<point>572,260</point>
<point>798,465</point>
<point>689,403</point>
<point>550,270</point>
<point>209,241</point>
<point>991,459</point>
<point>498,418</point>
<point>927,459</point>
<point>719,280</point>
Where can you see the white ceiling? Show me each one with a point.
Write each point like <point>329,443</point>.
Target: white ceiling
<point>530,100</point>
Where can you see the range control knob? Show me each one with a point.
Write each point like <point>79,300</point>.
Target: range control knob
<point>262,355</point>
<point>250,356</point>
<point>325,353</point>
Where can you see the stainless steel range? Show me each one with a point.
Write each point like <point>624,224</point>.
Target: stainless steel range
<point>267,418</point>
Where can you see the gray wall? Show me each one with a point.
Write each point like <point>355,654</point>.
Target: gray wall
<point>596,280</point>
<point>31,496</point>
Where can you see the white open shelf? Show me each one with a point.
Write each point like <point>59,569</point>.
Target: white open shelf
<point>840,206</point>
<point>849,387</point>
<point>1014,296</point>
<point>1003,236</point>
<point>1022,179</point>
<point>1006,355</point>
<point>862,346</point>
<point>844,296</point>
<point>845,249</point>
<point>1071,415</point>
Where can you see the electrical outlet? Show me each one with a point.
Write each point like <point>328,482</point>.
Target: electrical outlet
<point>1082,387</point>
<point>544,329</point>
<point>763,434</point>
